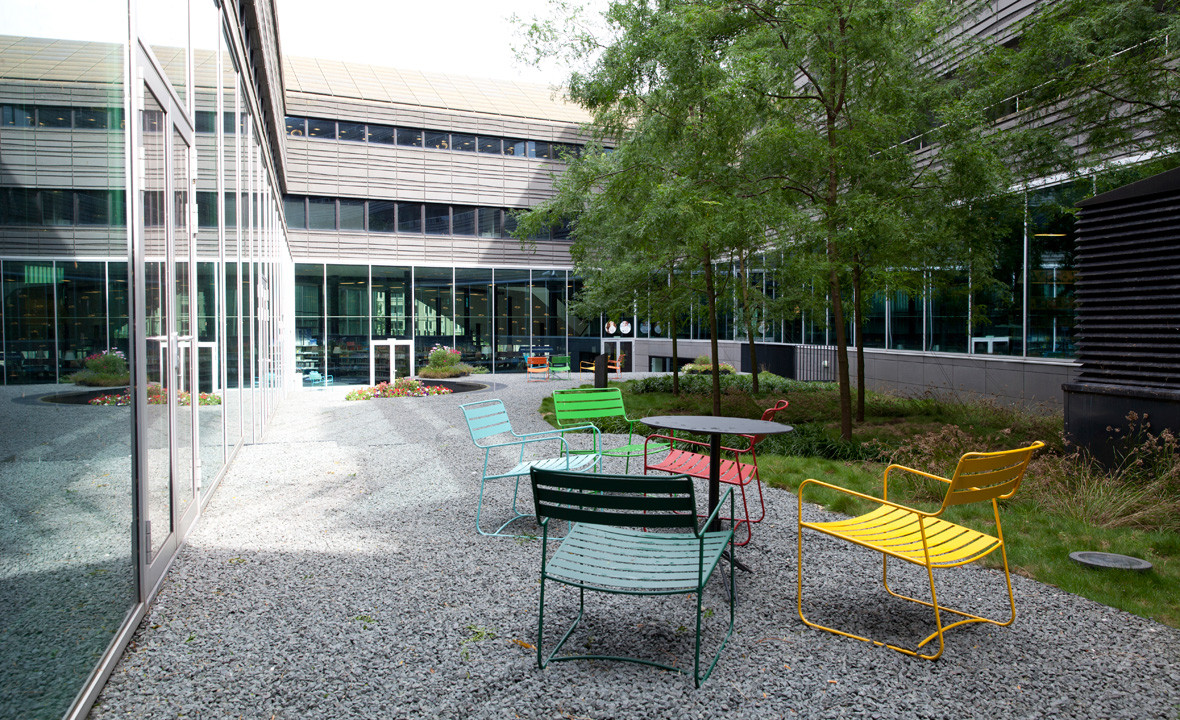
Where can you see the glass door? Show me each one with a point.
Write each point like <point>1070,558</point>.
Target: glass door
<point>166,378</point>
<point>612,349</point>
<point>390,359</point>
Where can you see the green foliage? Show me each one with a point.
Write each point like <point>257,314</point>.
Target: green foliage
<point>703,384</point>
<point>442,356</point>
<point>104,369</point>
<point>458,369</point>
<point>1113,62</point>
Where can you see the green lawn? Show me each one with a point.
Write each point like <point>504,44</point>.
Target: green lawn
<point>1052,515</point>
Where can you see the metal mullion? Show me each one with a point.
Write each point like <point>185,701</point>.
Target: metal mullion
<point>219,274</point>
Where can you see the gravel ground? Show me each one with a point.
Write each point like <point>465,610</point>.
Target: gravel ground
<point>337,574</point>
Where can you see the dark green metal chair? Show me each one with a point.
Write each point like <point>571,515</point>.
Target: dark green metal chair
<point>606,551</point>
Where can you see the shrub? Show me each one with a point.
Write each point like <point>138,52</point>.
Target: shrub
<point>703,384</point>
<point>442,356</point>
<point>104,369</point>
<point>450,371</point>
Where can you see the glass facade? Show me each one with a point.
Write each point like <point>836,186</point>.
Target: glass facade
<point>148,274</point>
<point>494,317</point>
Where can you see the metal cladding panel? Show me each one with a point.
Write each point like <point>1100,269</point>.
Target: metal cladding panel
<point>1128,285</point>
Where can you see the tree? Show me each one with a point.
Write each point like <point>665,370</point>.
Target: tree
<point>673,195</point>
<point>787,122</point>
<point>842,85</point>
<point>1088,81</point>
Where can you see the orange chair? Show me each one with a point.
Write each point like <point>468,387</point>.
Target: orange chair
<point>682,460</point>
<point>616,365</point>
<point>538,365</point>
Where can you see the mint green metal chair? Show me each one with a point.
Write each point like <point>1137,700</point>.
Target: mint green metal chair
<point>606,551</point>
<point>486,421</point>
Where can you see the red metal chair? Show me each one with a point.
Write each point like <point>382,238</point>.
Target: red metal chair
<point>684,458</point>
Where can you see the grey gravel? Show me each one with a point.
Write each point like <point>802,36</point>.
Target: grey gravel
<point>336,573</point>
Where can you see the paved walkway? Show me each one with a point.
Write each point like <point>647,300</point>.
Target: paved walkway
<point>337,574</point>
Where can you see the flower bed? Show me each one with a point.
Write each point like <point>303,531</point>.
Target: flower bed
<point>157,396</point>
<point>402,387</point>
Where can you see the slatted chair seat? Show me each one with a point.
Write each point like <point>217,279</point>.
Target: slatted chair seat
<point>491,430</point>
<point>925,539</point>
<point>896,532</point>
<point>560,364</point>
<point>576,462</point>
<point>627,561</point>
<point>582,405</point>
<point>606,551</point>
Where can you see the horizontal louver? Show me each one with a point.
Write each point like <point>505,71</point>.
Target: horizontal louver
<point>1128,285</point>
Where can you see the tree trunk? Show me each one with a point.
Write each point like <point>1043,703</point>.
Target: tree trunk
<point>711,299</point>
<point>675,362</point>
<point>859,324</point>
<point>749,321</point>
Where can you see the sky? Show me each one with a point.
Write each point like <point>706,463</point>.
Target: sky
<point>459,37</point>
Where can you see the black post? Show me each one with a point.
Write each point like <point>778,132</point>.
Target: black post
<point>600,371</point>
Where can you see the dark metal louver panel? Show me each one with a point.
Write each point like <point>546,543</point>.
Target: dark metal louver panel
<point>1128,285</point>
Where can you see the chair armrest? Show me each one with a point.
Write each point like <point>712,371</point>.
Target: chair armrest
<point>673,441</point>
<point>713,515</point>
<point>885,483</point>
<point>862,496</point>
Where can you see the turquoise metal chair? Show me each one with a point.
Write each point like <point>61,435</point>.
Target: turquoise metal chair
<point>487,421</point>
<point>605,551</point>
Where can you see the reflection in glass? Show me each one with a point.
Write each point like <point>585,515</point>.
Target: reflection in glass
<point>382,216</point>
<point>383,134</point>
<point>462,220</point>
<point>410,137</point>
<point>438,219</point>
<point>947,311</point>
<point>352,214</point>
<point>350,131</point>
<point>434,315</point>
<point>488,145</point>
<point>473,313</point>
<point>462,142</point>
<point>347,298</point>
<point>409,217</point>
<point>512,319</point>
<point>391,302</point>
<point>182,382</point>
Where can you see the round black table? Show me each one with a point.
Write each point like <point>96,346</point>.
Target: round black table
<point>715,427</point>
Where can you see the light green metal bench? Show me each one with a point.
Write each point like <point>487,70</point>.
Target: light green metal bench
<point>605,551</point>
<point>487,421</point>
<point>582,405</point>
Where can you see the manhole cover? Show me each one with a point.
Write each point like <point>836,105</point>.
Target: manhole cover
<point>1110,560</point>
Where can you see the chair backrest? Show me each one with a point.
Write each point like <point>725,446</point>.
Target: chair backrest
<point>617,362</point>
<point>559,361</point>
<point>485,419</point>
<point>538,362</point>
<point>314,375</point>
<point>987,476</point>
<point>769,414</point>
<point>574,407</point>
<point>616,500</point>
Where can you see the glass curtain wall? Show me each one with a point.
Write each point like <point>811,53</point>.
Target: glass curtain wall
<point>118,277</point>
<point>67,567</point>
